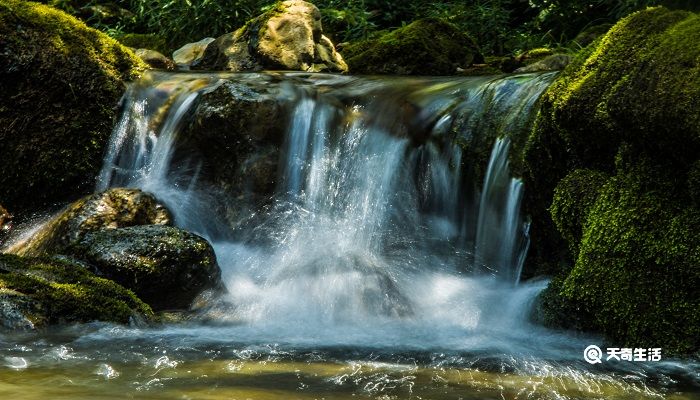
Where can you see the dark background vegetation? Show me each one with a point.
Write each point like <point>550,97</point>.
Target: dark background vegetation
<point>500,27</point>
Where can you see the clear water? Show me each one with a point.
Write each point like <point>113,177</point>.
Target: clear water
<point>381,267</point>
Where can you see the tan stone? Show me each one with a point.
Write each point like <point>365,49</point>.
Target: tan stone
<point>115,208</point>
<point>191,53</point>
<point>289,37</point>
<point>155,59</point>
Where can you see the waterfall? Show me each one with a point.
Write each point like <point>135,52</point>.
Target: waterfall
<point>501,237</point>
<point>379,199</point>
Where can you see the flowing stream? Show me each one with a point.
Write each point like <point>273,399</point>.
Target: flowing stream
<point>384,263</point>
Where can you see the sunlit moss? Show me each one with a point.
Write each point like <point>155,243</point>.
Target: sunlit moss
<point>67,292</point>
<point>627,107</point>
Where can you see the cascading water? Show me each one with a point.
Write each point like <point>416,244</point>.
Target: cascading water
<point>377,226</point>
<point>384,260</point>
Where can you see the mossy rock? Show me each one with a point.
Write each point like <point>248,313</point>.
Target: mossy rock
<point>424,47</point>
<point>625,108</point>
<point>165,266</point>
<point>288,36</point>
<point>638,269</point>
<point>639,83</point>
<point>573,198</point>
<point>61,83</point>
<point>113,208</point>
<point>35,292</point>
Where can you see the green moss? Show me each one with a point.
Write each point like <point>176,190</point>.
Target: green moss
<point>424,47</point>
<point>61,82</point>
<point>638,269</point>
<point>636,84</point>
<point>540,52</point>
<point>626,107</point>
<point>67,292</point>
<point>573,198</point>
<point>145,41</point>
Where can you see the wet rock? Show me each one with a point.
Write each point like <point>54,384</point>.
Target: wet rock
<point>554,62</point>
<point>191,54</point>
<point>61,83</point>
<point>165,266</point>
<point>239,130</point>
<point>289,37</point>
<point>114,208</point>
<point>155,59</point>
<point>19,311</point>
<point>5,223</point>
<point>35,292</point>
<point>425,47</point>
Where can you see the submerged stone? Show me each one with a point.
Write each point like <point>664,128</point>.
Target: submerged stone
<point>165,266</point>
<point>60,82</point>
<point>288,37</point>
<point>239,129</point>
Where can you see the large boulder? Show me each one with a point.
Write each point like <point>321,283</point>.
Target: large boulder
<point>288,37</point>
<point>238,129</point>
<point>627,111</point>
<point>61,83</point>
<point>114,208</point>
<point>35,292</point>
<point>165,266</point>
<point>424,47</point>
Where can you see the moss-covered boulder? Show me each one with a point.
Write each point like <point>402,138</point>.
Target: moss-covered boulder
<point>638,268</point>
<point>61,83</point>
<point>165,266</point>
<point>627,109</point>
<point>639,83</point>
<point>114,208</point>
<point>289,36</point>
<point>424,47</point>
<point>35,292</point>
